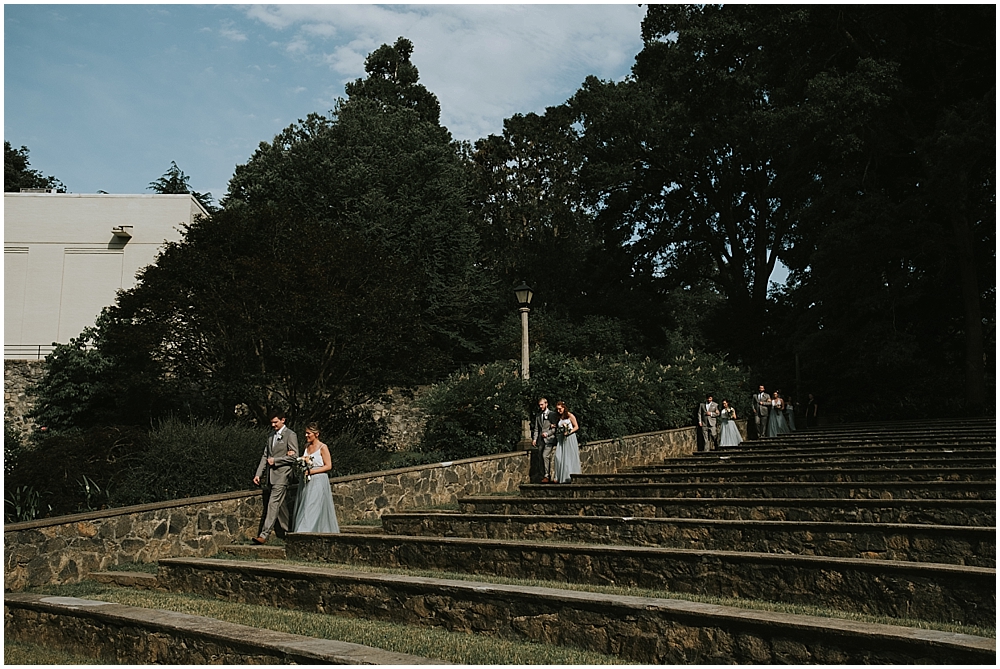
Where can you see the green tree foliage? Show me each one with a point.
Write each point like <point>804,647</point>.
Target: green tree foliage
<point>479,410</point>
<point>537,224</point>
<point>382,170</point>
<point>74,391</point>
<point>257,308</point>
<point>712,156</point>
<point>17,172</point>
<point>900,289</point>
<point>175,182</point>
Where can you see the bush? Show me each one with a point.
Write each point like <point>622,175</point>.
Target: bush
<point>479,411</point>
<point>189,459</point>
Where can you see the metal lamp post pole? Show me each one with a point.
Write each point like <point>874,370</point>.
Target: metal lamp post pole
<point>525,375</point>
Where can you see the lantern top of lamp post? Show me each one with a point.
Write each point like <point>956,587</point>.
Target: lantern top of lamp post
<point>524,294</point>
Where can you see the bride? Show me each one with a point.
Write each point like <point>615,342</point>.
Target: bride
<point>314,510</point>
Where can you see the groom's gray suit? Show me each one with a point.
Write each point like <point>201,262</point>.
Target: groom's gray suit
<point>279,475</point>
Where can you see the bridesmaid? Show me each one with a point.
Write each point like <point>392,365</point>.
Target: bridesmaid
<point>729,434</point>
<point>567,457</point>
<point>314,511</point>
<point>776,424</point>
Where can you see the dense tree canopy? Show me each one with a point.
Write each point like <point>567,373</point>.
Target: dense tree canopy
<point>855,145</point>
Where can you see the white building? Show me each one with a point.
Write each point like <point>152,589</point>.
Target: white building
<point>66,255</point>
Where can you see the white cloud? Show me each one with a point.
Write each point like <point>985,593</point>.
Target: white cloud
<point>484,62</point>
<point>233,34</point>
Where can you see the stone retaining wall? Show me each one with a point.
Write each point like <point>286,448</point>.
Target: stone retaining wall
<point>18,376</point>
<point>67,548</point>
<point>973,546</point>
<point>634,629</point>
<point>945,593</point>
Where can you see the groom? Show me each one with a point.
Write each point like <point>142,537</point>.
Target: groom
<point>279,475</point>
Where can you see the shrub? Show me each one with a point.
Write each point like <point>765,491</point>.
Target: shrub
<point>188,459</point>
<point>479,411</point>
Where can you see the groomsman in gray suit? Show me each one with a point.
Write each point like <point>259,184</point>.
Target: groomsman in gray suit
<point>761,408</point>
<point>543,438</point>
<point>277,472</point>
<point>707,413</point>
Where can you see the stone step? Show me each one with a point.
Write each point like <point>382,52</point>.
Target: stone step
<point>643,630</point>
<point>870,452</point>
<point>726,461</point>
<point>135,635</point>
<point>973,546</point>
<point>940,592</point>
<point>975,513</point>
<point>775,474</point>
<point>957,424</point>
<point>849,489</point>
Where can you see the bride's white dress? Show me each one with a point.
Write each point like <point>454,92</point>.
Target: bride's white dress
<point>314,510</point>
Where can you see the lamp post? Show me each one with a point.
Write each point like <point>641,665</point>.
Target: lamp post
<point>524,294</point>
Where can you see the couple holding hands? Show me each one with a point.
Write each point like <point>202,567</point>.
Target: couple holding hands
<point>554,434</point>
<point>314,511</point>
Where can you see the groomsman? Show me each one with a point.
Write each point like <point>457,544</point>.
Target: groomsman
<point>543,438</point>
<point>708,411</point>
<point>761,408</point>
<point>276,472</point>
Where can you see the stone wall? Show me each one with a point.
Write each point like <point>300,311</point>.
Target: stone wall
<point>398,410</point>
<point>67,548</point>
<point>18,375</point>
<point>641,630</point>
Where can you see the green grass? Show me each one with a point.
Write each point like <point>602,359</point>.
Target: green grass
<point>412,639</point>
<point>21,652</point>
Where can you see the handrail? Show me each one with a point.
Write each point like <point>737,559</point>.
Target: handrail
<point>27,351</point>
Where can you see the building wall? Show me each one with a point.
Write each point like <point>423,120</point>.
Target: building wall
<point>63,264</point>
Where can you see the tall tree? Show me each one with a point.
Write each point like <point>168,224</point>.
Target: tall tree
<point>713,143</point>
<point>917,215</point>
<point>17,172</point>
<point>382,168</point>
<point>175,182</point>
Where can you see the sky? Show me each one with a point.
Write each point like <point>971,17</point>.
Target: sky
<point>106,96</point>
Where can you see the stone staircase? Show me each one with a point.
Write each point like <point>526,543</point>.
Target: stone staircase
<point>895,520</point>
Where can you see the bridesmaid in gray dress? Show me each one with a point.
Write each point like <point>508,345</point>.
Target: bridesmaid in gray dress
<point>314,510</point>
<point>776,424</point>
<point>729,435</point>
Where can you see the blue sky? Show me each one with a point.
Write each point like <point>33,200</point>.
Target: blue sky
<point>105,96</point>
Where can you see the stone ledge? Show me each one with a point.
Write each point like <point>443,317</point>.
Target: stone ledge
<point>847,490</point>
<point>940,592</point>
<point>963,545</point>
<point>964,512</point>
<point>637,629</point>
<point>141,636</point>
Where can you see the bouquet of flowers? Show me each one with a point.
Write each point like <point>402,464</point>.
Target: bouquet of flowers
<point>304,464</point>
<point>566,429</point>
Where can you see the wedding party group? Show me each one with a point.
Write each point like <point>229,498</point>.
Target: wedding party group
<point>556,455</point>
<point>280,466</point>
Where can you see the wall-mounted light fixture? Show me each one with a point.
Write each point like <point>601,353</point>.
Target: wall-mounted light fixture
<point>123,231</point>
